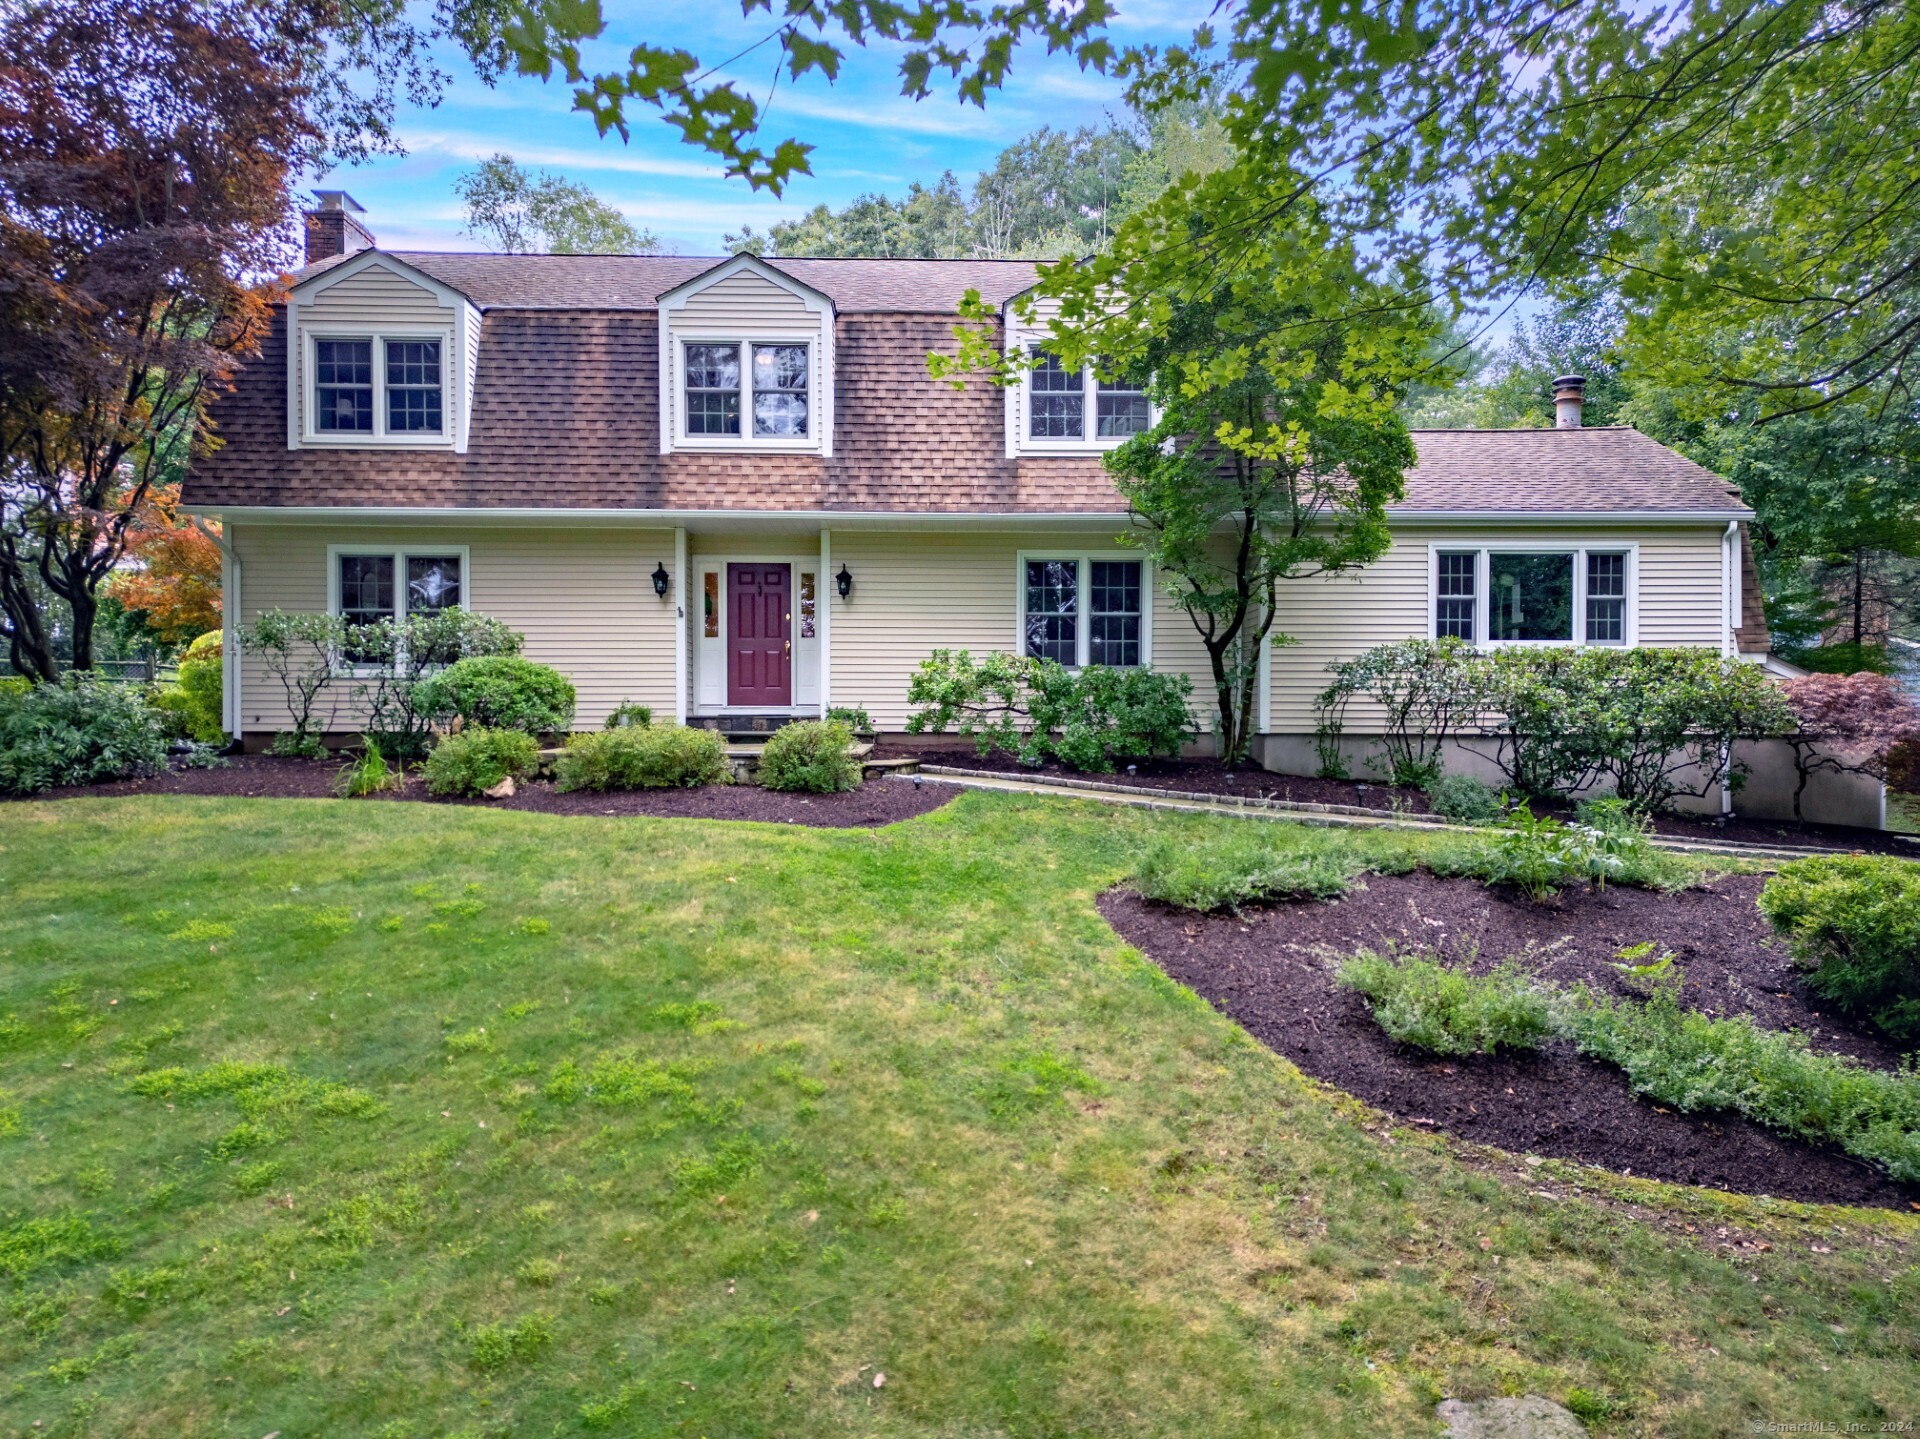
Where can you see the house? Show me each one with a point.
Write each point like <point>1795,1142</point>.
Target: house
<point>729,487</point>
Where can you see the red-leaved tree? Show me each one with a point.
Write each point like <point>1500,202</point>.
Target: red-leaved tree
<point>1848,724</point>
<point>173,572</point>
<point>145,153</point>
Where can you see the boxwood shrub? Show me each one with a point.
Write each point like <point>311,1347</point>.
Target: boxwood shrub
<point>1853,923</point>
<point>475,760</point>
<point>501,692</point>
<point>810,756</point>
<point>655,757</point>
<point>79,730</point>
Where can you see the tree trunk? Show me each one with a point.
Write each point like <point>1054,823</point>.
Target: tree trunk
<point>29,649</point>
<point>1859,595</point>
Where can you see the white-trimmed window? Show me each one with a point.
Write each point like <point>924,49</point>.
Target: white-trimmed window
<point>382,388</point>
<point>747,389</point>
<point>370,583</point>
<point>1534,594</point>
<point>1083,610</point>
<point>1078,409</point>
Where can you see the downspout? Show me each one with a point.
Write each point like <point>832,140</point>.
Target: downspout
<point>229,627</point>
<point>1729,645</point>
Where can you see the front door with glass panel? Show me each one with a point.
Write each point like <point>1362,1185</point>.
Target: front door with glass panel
<point>759,635</point>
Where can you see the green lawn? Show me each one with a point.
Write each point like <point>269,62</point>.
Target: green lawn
<point>357,1119</point>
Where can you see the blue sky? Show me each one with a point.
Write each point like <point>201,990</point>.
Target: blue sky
<point>867,136</point>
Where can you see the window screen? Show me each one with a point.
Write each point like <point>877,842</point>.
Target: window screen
<point>1113,612</point>
<point>1606,599</point>
<point>1121,409</point>
<point>343,386</point>
<point>413,386</point>
<point>1053,594</point>
<point>780,390</point>
<point>713,389</point>
<point>1453,605</point>
<point>1057,400</point>
<point>1530,596</point>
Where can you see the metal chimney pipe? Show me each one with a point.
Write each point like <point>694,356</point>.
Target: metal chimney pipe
<point>1569,394</point>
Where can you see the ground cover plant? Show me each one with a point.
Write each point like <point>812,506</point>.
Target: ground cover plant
<point>512,1123</point>
<point>1670,1054</point>
<point>811,757</point>
<point>1238,865</point>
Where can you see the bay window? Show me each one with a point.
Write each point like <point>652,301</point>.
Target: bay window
<point>1577,595</point>
<point>1084,610</point>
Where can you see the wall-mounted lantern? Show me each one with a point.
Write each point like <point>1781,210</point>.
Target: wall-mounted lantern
<point>660,581</point>
<point>844,582</point>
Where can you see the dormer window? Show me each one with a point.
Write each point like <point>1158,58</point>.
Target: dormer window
<point>773,387</point>
<point>1079,409</point>
<point>387,389</point>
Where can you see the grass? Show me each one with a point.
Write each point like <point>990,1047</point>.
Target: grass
<point>331,1119</point>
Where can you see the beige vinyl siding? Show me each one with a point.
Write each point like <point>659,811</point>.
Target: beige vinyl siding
<point>381,299</point>
<point>1335,618</point>
<point>746,302</point>
<point>915,593</point>
<point>582,597</point>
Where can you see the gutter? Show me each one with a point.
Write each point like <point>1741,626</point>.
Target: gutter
<point>901,519</point>
<point>229,627</point>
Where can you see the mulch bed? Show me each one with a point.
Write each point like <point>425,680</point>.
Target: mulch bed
<point>1272,971</point>
<point>877,802</point>
<point>1209,776</point>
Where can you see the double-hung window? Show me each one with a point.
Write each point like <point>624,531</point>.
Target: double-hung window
<point>728,382</point>
<point>379,387</point>
<point>1534,596</point>
<point>1081,407</point>
<point>1083,610</point>
<point>374,584</point>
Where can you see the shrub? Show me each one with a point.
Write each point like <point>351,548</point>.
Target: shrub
<point>500,692</point>
<point>475,760</point>
<point>368,774</point>
<point>1853,923</point>
<point>1037,709</point>
<point>1225,869</point>
<point>300,651</point>
<point>1462,797</point>
<point>398,660</point>
<point>1687,1060</point>
<point>1538,855</point>
<point>1849,723</point>
<point>663,757</point>
<point>198,699</point>
<point>627,715</point>
<point>1443,1009</point>
<point>1426,689</point>
<point>78,730</point>
<point>854,718</point>
<point>810,756</point>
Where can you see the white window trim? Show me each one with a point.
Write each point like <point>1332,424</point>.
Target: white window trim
<point>1021,440</point>
<point>1482,588</point>
<point>809,443</point>
<point>379,436</point>
<point>399,554</point>
<point>1082,560</point>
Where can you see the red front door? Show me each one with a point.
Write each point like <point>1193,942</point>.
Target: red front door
<point>759,635</point>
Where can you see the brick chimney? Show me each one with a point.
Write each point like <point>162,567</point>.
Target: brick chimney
<point>331,229</point>
<point>1569,393</point>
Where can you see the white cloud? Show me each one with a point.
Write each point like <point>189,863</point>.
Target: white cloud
<point>610,155</point>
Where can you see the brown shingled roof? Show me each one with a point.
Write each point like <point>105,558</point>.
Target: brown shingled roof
<point>635,282</point>
<point>566,416</point>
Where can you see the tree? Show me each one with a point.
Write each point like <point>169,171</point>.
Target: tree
<point>1276,375</point>
<point>520,212</point>
<point>172,572</point>
<point>1512,389</point>
<point>1848,724</point>
<point>145,147</point>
